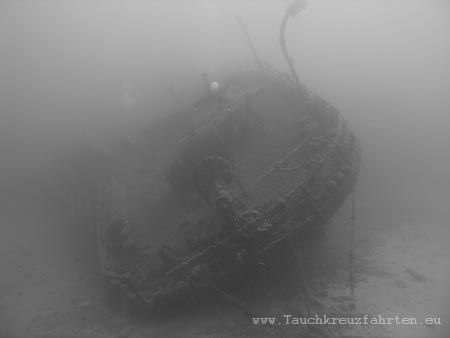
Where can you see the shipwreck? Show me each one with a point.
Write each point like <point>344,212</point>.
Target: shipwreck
<point>239,178</point>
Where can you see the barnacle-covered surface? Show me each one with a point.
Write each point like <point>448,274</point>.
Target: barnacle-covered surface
<point>236,179</point>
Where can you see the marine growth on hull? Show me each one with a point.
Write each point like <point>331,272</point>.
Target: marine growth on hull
<point>247,172</point>
<point>238,180</point>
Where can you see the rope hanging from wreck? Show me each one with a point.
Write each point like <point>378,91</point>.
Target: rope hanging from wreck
<point>351,254</point>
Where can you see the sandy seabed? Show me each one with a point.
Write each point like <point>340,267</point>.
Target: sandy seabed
<point>50,285</point>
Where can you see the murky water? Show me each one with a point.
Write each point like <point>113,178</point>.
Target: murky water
<point>90,71</point>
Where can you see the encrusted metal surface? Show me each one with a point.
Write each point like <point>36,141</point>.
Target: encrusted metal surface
<point>243,180</point>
